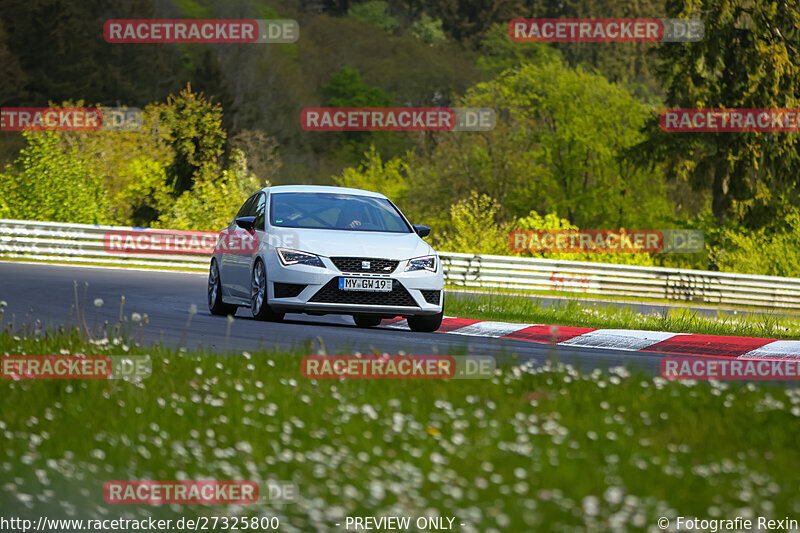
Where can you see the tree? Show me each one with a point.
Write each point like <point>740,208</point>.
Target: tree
<point>61,50</point>
<point>12,77</point>
<point>762,251</point>
<point>373,174</point>
<point>747,59</point>
<point>552,221</point>
<point>374,12</point>
<point>51,184</point>
<point>213,200</point>
<point>556,148</point>
<point>132,164</point>
<point>499,53</point>
<point>475,227</point>
<point>347,88</point>
<point>427,29</point>
<point>194,131</point>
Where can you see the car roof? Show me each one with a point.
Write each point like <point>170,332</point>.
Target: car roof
<point>321,188</point>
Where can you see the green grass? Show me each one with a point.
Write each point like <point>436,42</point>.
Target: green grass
<point>606,298</point>
<point>533,449</point>
<point>524,309</point>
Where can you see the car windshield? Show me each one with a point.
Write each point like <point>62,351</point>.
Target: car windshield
<point>335,211</point>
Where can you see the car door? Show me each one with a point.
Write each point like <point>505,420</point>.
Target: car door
<point>243,259</point>
<point>230,270</point>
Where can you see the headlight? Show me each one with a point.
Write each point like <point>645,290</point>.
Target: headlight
<point>295,257</point>
<point>422,263</point>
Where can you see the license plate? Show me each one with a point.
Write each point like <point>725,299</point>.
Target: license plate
<point>365,284</point>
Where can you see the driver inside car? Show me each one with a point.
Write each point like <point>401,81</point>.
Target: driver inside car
<point>351,217</point>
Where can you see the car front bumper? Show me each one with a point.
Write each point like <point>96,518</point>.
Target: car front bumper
<point>321,294</point>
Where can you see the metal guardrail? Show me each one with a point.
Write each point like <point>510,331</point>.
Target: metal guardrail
<point>84,243</point>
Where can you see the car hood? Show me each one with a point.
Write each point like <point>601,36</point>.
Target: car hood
<point>337,243</point>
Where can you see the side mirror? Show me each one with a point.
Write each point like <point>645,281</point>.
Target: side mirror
<point>246,223</point>
<point>422,231</point>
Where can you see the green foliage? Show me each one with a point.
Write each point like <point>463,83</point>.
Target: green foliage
<point>475,227</point>
<point>747,59</point>
<point>552,221</point>
<point>556,148</point>
<point>771,251</point>
<point>194,131</point>
<point>409,71</point>
<point>12,77</point>
<point>427,30</point>
<point>373,174</point>
<point>146,193</point>
<point>133,166</point>
<point>627,443</point>
<point>499,53</point>
<point>194,9</point>
<point>65,55</point>
<point>569,117</point>
<point>261,150</point>
<point>49,183</point>
<point>375,13</point>
<point>212,202</point>
<point>579,310</point>
<point>347,88</point>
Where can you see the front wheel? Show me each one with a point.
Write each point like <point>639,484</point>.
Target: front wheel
<point>425,323</point>
<point>258,295</point>
<point>215,303</point>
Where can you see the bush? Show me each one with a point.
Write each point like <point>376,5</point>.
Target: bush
<point>211,203</point>
<point>374,175</point>
<point>375,13</point>
<point>552,221</point>
<point>766,251</point>
<point>50,183</point>
<point>474,227</point>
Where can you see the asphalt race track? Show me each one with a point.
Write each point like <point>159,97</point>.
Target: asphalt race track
<point>45,292</point>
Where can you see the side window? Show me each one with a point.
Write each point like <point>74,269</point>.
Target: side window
<point>246,208</point>
<point>259,211</point>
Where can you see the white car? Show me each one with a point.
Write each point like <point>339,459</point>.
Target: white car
<point>327,250</point>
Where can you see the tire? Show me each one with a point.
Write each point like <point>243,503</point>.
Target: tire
<point>258,295</point>
<point>366,321</point>
<point>215,303</point>
<point>425,323</point>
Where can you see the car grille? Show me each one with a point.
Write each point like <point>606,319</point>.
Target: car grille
<point>354,264</point>
<point>432,297</point>
<point>331,294</point>
<point>288,290</point>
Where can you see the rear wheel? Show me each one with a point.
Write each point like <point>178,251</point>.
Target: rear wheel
<point>258,295</point>
<point>215,303</point>
<point>366,321</point>
<point>425,323</point>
